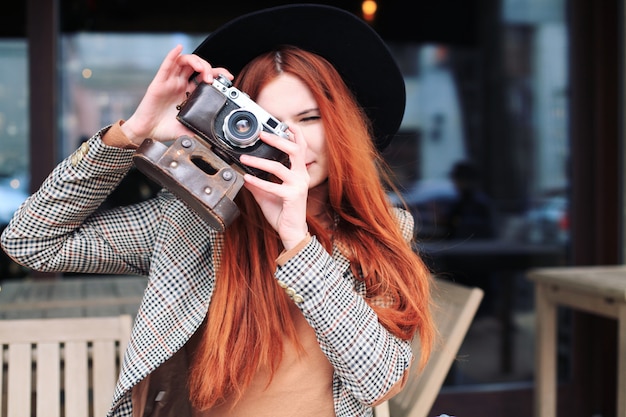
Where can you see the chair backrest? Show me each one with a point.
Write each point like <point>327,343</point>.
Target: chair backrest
<point>61,367</point>
<point>456,308</point>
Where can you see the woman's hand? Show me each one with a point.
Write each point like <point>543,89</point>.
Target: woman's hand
<point>155,117</point>
<point>283,204</point>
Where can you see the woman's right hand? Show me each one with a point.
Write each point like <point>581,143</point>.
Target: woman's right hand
<point>155,117</point>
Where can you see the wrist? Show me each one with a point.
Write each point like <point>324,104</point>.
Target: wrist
<point>116,137</point>
<point>288,253</point>
<point>296,239</point>
<point>130,133</point>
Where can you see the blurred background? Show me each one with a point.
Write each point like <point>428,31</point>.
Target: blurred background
<point>509,155</point>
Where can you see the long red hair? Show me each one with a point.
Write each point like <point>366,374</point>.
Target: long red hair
<point>249,317</point>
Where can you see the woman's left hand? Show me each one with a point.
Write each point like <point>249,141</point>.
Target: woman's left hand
<point>283,204</point>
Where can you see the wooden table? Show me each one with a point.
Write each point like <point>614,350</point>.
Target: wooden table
<point>598,290</point>
<point>93,295</point>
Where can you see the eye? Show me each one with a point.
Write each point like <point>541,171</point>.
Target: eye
<point>310,118</point>
<point>310,115</point>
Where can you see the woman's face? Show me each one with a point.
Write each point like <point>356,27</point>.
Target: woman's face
<point>288,99</point>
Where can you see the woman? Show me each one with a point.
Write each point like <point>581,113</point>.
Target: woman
<point>307,303</point>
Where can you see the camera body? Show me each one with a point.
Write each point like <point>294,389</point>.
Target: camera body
<point>204,170</point>
<point>230,121</point>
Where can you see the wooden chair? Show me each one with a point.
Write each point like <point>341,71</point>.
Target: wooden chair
<point>457,306</point>
<point>61,367</point>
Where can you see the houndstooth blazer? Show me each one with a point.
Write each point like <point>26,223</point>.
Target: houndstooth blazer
<point>59,229</point>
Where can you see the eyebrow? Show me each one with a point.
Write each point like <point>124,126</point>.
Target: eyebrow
<point>315,109</point>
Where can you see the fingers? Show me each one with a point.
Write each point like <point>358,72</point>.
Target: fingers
<point>193,64</point>
<point>295,149</point>
<point>265,186</point>
<point>185,65</point>
<point>295,146</point>
<point>168,66</point>
<point>223,71</point>
<point>272,167</point>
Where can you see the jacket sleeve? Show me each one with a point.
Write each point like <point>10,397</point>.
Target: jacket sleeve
<point>58,228</point>
<point>368,360</point>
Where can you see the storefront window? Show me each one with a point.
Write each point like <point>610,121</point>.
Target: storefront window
<point>482,158</point>
<point>14,147</point>
<point>14,144</point>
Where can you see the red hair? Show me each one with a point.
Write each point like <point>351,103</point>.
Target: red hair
<point>248,317</point>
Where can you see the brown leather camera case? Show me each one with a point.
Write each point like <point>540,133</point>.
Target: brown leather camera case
<point>193,173</point>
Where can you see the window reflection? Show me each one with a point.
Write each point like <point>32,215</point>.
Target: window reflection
<point>13,126</point>
<point>14,146</point>
<point>445,126</point>
<point>104,76</point>
<point>482,160</point>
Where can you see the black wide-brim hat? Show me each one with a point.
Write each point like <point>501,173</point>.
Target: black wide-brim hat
<point>357,52</point>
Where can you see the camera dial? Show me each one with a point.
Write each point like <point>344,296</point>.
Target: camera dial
<point>225,81</point>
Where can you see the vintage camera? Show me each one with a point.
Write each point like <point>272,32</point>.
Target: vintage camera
<point>231,122</point>
<point>204,170</point>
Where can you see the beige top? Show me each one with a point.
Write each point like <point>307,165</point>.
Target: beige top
<point>302,385</point>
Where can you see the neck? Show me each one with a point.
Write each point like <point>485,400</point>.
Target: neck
<point>317,204</point>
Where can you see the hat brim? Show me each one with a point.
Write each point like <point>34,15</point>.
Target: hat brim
<point>358,53</point>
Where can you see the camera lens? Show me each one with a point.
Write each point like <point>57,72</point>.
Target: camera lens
<point>241,128</point>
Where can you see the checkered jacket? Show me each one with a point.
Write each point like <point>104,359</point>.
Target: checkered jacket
<point>59,229</point>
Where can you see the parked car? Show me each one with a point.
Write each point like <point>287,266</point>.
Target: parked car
<point>547,220</point>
